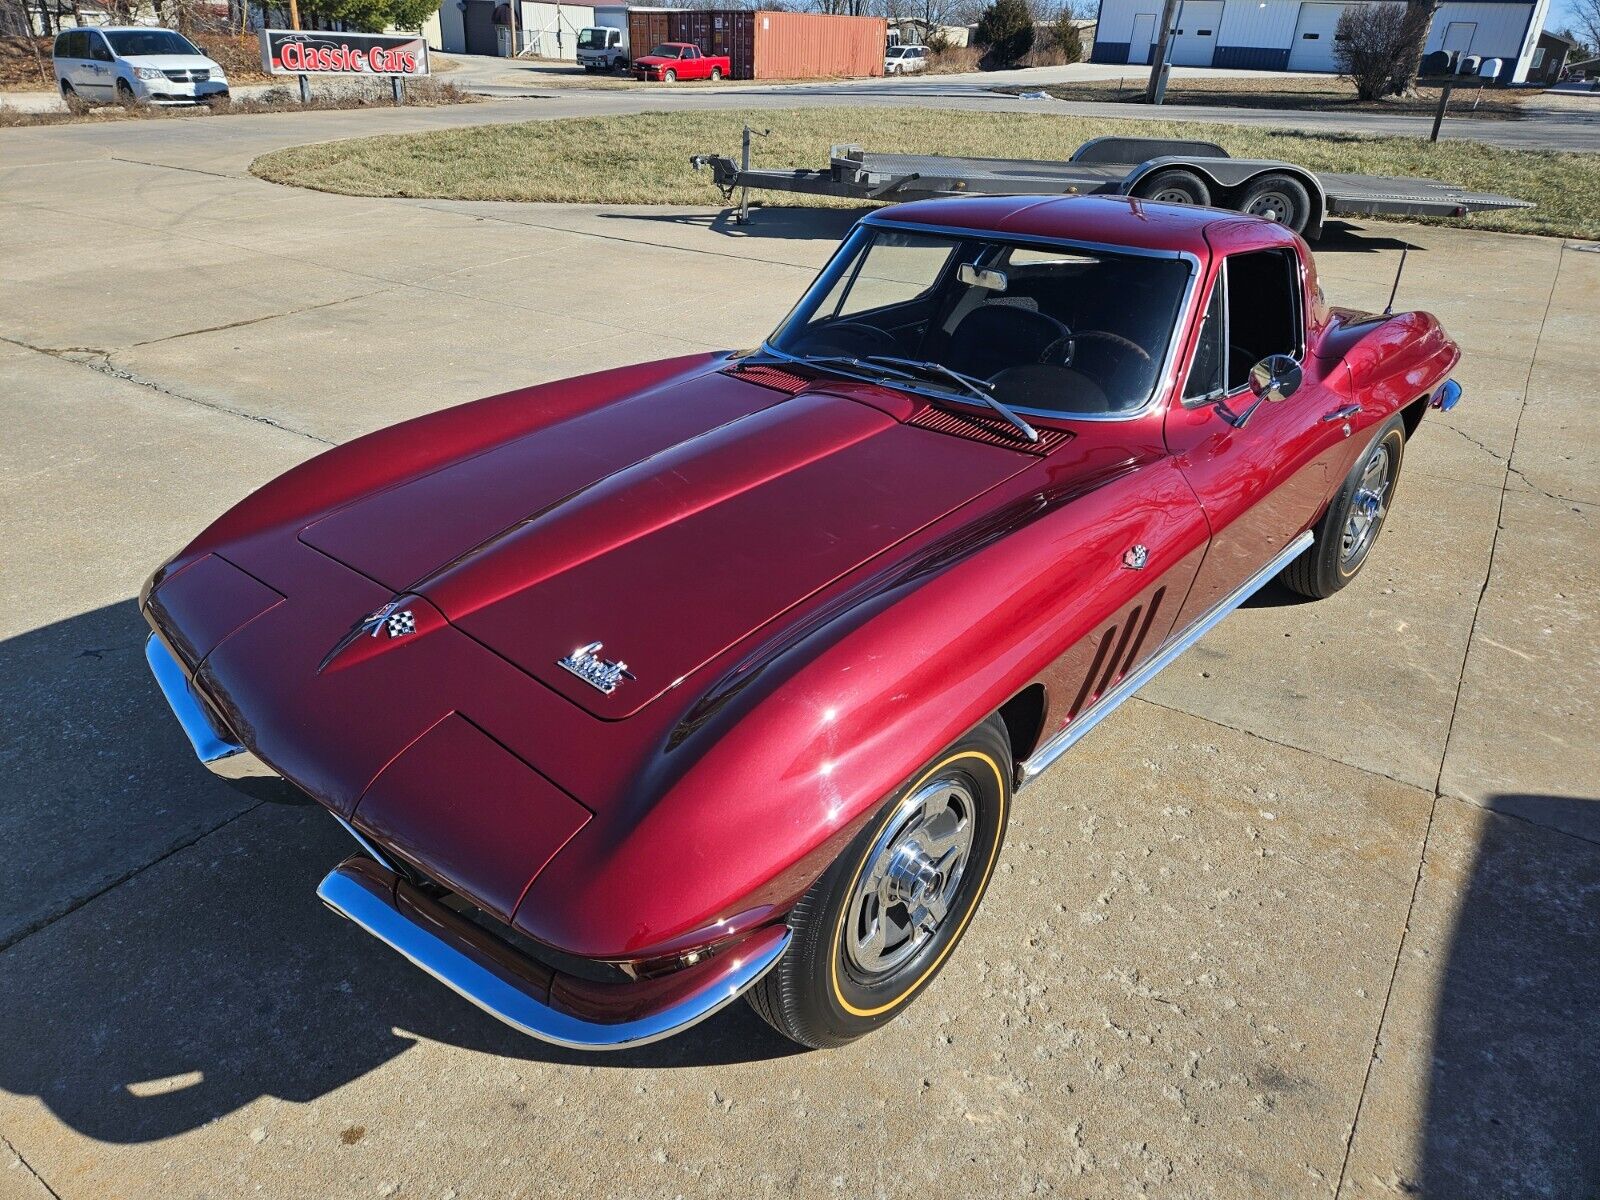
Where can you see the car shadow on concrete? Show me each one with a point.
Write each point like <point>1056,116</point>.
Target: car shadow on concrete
<point>1514,1087</point>
<point>199,971</point>
<point>776,221</point>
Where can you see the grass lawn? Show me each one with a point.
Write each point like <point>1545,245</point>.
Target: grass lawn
<point>1319,93</point>
<point>643,158</point>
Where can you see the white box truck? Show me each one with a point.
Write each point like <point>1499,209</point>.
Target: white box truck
<point>603,46</point>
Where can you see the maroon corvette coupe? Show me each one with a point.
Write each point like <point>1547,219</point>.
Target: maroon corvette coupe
<point>643,690</point>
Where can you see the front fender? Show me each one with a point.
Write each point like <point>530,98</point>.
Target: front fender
<point>788,756</point>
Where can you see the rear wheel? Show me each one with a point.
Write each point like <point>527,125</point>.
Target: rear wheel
<point>716,74</point>
<point>75,103</point>
<point>1280,198</point>
<point>1175,187</point>
<point>1347,531</point>
<point>884,918</point>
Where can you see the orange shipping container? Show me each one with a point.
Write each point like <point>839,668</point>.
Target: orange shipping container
<point>793,45</point>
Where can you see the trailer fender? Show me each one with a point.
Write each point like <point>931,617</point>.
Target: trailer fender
<point>1229,177</point>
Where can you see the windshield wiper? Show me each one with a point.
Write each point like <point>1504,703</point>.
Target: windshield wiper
<point>980,388</point>
<point>913,369</point>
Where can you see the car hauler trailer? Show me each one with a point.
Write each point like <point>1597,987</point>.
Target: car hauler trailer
<point>1162,169</point>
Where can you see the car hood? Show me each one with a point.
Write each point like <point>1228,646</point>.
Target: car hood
<point>171,62</point>
<point>667,526</point>
<point>654,60</point>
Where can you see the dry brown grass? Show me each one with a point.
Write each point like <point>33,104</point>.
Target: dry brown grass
<point>957,60</point>
<point>1316,93</point>
<point>421,93</point>
<point>643,158</point>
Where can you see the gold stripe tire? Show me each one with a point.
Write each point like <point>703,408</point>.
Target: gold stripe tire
<point>821,993</point>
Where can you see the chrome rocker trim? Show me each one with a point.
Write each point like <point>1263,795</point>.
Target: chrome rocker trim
<point>466,960</point>
<point>1058,745</point>
<point>222,755</point>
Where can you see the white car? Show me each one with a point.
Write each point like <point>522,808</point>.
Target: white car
<point>135,66</point>
<point>899,60</point>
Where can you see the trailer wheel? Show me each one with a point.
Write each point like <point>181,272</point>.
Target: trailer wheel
<point>1174,187</point>
<point>1280,198</point>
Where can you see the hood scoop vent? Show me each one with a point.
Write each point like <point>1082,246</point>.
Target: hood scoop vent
<point>777,378</point>
<point>992,431</point>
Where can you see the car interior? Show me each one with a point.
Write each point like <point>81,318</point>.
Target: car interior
<point>1051,329</point>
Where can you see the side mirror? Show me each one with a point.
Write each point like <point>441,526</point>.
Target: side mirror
<point>1275,378</point>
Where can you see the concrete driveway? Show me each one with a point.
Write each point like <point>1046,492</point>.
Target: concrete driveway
<point>1318,914</point>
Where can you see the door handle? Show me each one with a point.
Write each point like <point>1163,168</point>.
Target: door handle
<point>1342,414</point>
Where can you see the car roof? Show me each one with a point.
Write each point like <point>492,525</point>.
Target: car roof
<point>1103,220</point>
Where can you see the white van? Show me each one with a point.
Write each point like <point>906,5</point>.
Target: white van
<point>136,65</point>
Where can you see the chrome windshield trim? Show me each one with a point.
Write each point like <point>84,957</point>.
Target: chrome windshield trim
<point>1164,378</point>
<point>1063,741</point>
<point>366,895</point>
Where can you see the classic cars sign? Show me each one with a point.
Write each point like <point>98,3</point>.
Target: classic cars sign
<point>322,52</point>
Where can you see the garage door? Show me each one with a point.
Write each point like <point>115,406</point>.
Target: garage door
<point>1194,41</point>
<point>1312,49</point>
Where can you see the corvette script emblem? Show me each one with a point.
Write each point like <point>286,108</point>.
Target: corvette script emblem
<point>1135,558</point>
<point>585,662</point>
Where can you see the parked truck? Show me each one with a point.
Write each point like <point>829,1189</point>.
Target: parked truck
<point>603,46</point>
<point>672,61</point>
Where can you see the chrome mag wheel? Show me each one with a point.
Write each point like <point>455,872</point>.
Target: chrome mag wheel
<point>913,871</point>
<point>1367,506</point>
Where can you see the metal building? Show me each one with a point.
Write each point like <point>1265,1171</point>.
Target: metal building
<point>1298,35</point>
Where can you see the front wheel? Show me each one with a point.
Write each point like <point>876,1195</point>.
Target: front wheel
<point>878,925</point>
<point>1355,516</point>
<point>125,96</point>
<point>670,77</point>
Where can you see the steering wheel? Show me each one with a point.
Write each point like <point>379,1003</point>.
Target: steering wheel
<point>1117,340</point>
<point>850,337</point>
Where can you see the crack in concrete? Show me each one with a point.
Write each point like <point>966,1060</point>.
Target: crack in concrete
<point>1444,757</point>
<point>100,362</point>
<point>139,162</point>
<point>240,324</point>
<point>28,1167</point>
<point>20,935</point>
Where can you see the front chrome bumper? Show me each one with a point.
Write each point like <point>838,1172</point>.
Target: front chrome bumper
<point>505,983</point>
<point>525,994</point>
<point>213,746</point>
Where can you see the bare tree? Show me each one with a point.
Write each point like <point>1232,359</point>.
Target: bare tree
<point>1378,47</point>
<point>1586,13</point>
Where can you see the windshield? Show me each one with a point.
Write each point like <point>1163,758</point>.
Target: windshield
<point>591,39</point>
<point>664,52</point>
<point>132,43</point>
<point>1048,329</point>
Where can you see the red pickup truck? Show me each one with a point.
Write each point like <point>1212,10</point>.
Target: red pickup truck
<point>672,61</point>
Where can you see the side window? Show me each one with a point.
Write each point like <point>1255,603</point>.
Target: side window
<point>60,49</point>
<point>1263,306</point>
<point>98,50</point>
<point>1205,373</point>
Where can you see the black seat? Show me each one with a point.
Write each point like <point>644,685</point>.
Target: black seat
<point>995,336</point>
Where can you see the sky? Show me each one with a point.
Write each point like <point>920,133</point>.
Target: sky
<point>1561,15</point>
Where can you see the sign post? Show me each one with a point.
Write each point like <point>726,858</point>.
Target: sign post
<point>324,53</point>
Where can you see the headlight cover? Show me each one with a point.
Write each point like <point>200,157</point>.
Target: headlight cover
<point>148,73</point>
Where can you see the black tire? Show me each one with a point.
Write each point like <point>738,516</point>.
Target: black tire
<point>74,102</point>
<point>716,74</point>
<point>1335,558</point>
<point>125,96</point>
<point>1175,187</point>
<point>669,76</point>
<point>1278,197</point>
<point>819,994</point>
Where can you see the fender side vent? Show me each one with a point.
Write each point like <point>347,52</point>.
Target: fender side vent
<point>993,431</point>
<point>775,378</point>
<point>1114,657</point>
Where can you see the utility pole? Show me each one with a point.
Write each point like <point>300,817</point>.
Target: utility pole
<point>294,14</point>
<point>1156,90</point>
<point>511,15</point>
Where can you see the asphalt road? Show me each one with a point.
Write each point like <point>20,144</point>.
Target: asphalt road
<point>1316,915</point>
<point>1569,122</point>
